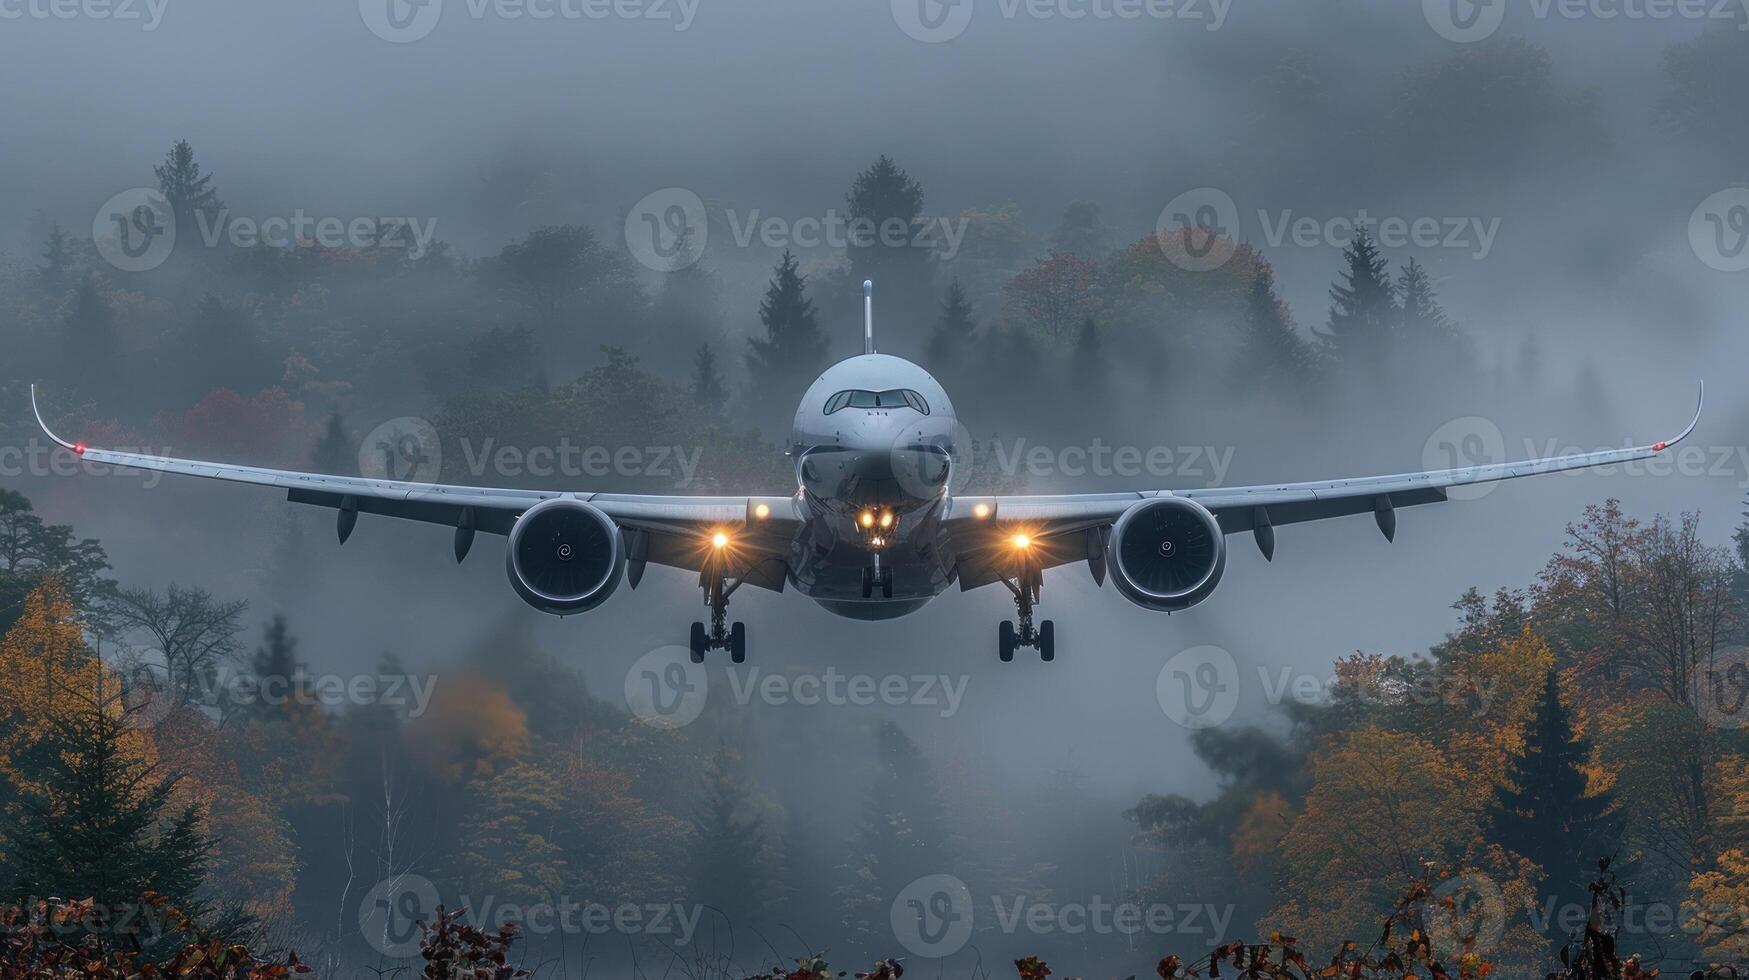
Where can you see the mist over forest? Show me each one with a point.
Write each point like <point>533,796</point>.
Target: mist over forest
<point>1221,243</point>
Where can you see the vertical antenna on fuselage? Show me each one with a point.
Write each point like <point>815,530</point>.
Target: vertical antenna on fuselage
<point>868,316</point>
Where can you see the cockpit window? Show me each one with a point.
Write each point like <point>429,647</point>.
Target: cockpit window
<point>897,398</point>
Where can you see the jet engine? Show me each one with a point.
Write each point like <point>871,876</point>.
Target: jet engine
<point>564,557</point>
<point>1167,553</point>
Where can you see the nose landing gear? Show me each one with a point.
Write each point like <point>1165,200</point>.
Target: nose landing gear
<point>1029,578</point>
<point>876,576</point>
<point>720,635</point>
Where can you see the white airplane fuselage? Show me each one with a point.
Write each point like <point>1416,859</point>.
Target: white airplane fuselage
<point>873,443</point>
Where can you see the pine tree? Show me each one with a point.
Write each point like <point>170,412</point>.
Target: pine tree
<point>1272,357</point>
<point>277,672</point>
<point>97,822</point>
<point>90,337</point>
<point>953,331</point>
<point>707,388</point>
<point>188,191</point>
<point>336,451</point>
<point>1543,811</point>
<point>733,865</point>
<point>900,837</point>
<point>1363,305</point>
<point>687,311</point>
<point>1422,314</point>
<point>882,200</point>
<point>1082,232</point>
<point>883,193</point>
<point>55,275</point>
<point>793,345</point>
<point>1088,364</point>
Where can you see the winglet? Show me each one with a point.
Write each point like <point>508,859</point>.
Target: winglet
<point>77,447</point>
<point>1700,403</point>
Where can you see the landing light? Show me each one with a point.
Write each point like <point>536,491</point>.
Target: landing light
<point>868,518</point>
<point>762,511</point>
<point>1022,541</point>
<point>981,511</point>
<point>719,540</point>
<point>887,519</point>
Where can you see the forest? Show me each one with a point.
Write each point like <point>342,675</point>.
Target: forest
<point>189,781</point>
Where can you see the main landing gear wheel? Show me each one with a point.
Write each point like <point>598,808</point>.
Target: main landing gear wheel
<point>1028,579</point>
<point>719,635</point>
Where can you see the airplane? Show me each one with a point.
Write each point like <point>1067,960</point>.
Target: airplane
<point>872,530</point>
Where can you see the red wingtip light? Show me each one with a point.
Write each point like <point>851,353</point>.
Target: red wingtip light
<point>1660,447</point>
<point>79,448</point>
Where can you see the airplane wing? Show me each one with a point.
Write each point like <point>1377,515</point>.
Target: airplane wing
<point>1070,525</point>
<point>662,529</point>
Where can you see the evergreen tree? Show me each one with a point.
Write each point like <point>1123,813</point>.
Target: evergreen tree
<point>275,668</point>
<point>187,190</point>
<point>886,211</point>
<point>793,346</point>
<point>1530,363</point>
<point>1272,357</point>
<point>223,350</point>
<point>97,821</point>
<point>707,386</point>
<point>900,837</point>
<point>686,312</point>
<point>1082,232</point>
<point>1543,811</point>
<point>1088,364</point>
<point>733,867</point>
<point>1422,314</point>
<point>953,331</point>
<point>336,451</point>
<point>55,275</point>
<point>32,551</point>
<point>90,337</point>
<point>1363,305</point>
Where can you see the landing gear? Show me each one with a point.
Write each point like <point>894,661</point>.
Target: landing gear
<point>1028,579</point>
<point>720,635</point>
<point>877,577</point>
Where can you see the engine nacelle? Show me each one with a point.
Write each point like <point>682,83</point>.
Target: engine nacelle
<point>1167,553</point>
<point>564,557</point>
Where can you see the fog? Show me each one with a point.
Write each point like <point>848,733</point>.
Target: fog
<point>1591,318</point>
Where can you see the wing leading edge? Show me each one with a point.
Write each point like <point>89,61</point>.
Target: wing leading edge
<point>490,509</point>
<point>1266,505</point>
